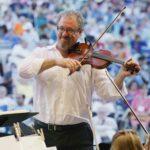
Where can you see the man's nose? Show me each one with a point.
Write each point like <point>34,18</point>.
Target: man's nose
<point>65,32</point>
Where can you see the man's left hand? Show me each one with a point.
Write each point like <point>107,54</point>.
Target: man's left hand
<point>130,68</point>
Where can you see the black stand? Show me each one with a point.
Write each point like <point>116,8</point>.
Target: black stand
<point>9,119</point>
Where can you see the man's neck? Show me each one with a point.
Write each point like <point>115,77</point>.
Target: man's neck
<point>63,52</point>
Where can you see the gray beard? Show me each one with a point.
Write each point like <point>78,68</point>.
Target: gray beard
<point>65,46</point>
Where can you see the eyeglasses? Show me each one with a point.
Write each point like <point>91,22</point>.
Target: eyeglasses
<point>68,30</point>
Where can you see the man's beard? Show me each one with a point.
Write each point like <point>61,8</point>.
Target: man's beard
<point>66,44</point>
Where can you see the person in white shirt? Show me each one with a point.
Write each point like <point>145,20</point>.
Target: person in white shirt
<point>105,126</point>
<point>62,100</point>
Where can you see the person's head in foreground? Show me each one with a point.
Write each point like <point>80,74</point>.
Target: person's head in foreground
<point>126,140</point>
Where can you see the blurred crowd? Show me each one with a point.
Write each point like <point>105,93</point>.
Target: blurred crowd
<point>26,24</point>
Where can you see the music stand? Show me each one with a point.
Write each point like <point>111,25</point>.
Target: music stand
<point>9,118</point>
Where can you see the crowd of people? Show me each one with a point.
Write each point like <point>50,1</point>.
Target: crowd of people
<point>27,24</point>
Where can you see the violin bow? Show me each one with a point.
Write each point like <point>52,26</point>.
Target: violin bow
<point>125,100</point>
<point>119,14</point>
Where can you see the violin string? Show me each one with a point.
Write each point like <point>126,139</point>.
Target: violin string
<point>105,57</point>
<point>85,55</point>
<point>109,26</point>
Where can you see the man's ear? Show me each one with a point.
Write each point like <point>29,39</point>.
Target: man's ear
<point>80,31</point>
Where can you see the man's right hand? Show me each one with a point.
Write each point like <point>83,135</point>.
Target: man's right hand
<point>69,63</point>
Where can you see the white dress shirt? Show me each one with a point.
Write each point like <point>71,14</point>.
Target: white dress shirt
<point>60,98</point>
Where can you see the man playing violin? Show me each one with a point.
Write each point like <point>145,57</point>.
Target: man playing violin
<point>62,100</point>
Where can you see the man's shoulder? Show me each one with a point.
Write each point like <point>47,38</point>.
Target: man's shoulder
<point>45,48</point>
<point>51,47</point>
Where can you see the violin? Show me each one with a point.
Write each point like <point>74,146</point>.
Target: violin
<point>101,59</point>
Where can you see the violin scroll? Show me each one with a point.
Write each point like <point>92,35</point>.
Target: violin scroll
<point>132,67</point>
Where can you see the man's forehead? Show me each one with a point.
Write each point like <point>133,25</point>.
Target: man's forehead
<point>68,20</point>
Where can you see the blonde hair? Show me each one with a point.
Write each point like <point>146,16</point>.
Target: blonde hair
<point>126,140</point>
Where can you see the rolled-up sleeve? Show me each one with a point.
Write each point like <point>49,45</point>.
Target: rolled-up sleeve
<point>104,87</point>
<point>31,65</point>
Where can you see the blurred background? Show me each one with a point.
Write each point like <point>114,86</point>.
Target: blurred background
<point>26,24</point>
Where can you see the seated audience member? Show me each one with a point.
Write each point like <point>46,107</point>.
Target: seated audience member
<point>141,105</point>
<point>104,123</point>
<point>133,90</point>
